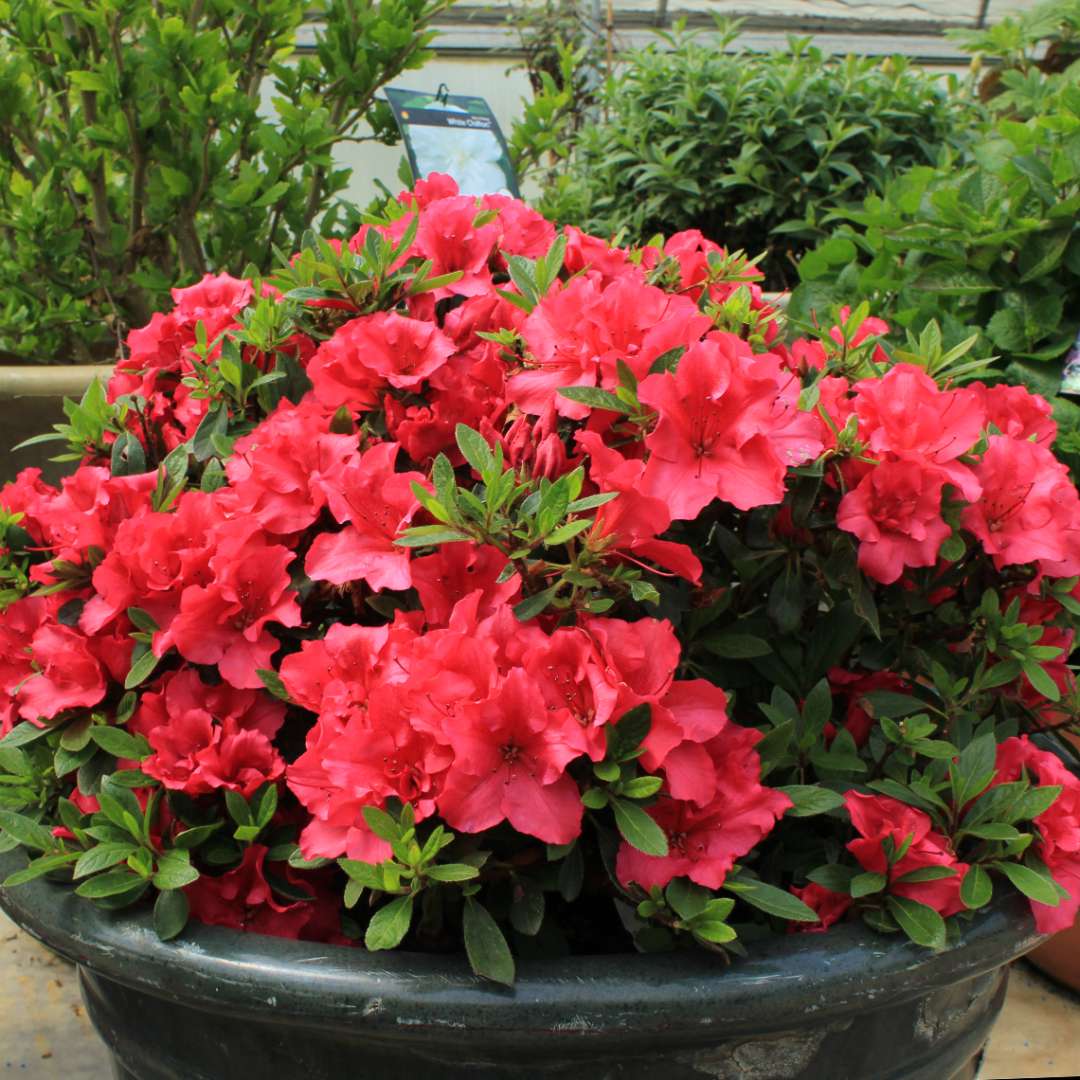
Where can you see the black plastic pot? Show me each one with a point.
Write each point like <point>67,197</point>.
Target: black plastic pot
<point>218,1005</point>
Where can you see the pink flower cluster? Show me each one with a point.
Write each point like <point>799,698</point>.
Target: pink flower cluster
<point>452,704</point>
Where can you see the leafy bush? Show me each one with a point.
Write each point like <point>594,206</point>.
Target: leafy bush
<point>485,586</point>
<point>987,243</point>
<point>754,148</point>
<point>1044,40</point>
<point>135,154</point>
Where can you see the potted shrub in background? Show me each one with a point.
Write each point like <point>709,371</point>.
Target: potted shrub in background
<point>756,148</point>
<point>136,153</point>
<point>529,605</point>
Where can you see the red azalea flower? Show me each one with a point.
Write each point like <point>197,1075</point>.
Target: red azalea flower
<point>448,236</point>
<point>1058,825</point>
<point>278,473</point>
<point>66,674</point>
<point>895,511</point>
<point>877,817</point>
<point>1029,511</point>
<point>242,899</point>
<point>449,575</point>
<point>705,841</point>
<point>830,906</point>
<point>225,622</point>
<point>376,503</point>
<point>632,523</point>
<point>372,352</point>
<point>729,428</point>
<point>905,413</point>
<point>510,756</point>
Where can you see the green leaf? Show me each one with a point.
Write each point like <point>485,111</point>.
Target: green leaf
<point>1040,680</point>
<point>193,837</point>
<point>921,923</point>
<point>926,873</point>
<point>809,799</point>
<point>534,605</point>
<point>364,874</point>
<point>834,877</point>
<point>1033,885</point>
<point>142,667</point>
<point>737,646</point>
<point>595,398</point>
<point>44,864</point>
<point>475,449</point>
<point>624,738</point>
<point>489,955</point>
<point>171,912</point>
<point>112,883</point>
<point>174,870</point>
<point>771,900</point>
<point>389,924</point>
<point>714,930</point>
<point>143,620</point>
<point>381,824</point>
<point>102,857</point>
<point>867,884</point>
<point>452,872</point>
<point>976,889</point>
<point>26,831</point>
<point>120,743</point>
<point>23,733</point>
<point>527,910</point>
<point>638,829</point>
<point>426,535</point>
<point>273,683</point>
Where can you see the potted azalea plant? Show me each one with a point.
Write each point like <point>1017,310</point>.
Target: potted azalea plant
<point>653,693</point>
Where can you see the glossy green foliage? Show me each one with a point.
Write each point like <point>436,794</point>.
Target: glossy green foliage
<point>754,150</point>
<point>143,144</point>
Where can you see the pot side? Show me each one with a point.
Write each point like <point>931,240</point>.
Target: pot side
<point>31,401</point>
<point>218,1004</point>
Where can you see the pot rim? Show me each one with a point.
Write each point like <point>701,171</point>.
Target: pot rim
<point>660,997</point>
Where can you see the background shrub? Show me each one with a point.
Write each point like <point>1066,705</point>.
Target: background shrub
<point>987,244</point>
<point>752,149</point>
<point>134,154</point>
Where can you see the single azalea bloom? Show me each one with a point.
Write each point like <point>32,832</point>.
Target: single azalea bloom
<point>155,557</point>
<point>371,757</point>
<point>631,524</point>
<point>374,351</point>
<point>829,906</point>
<point>639,657</point>
<point>510,758</point>
<point>907,414</point>
<point>334,674</point>
<point>879,817</point>
<point>522,231</point>
<point>449,236</point>
<point>225,622</point>
<point>453,571</point>
<point>705,841</point>
<point>241,899</point>
<point>1058,825</point>
<point>690,715</point>
<point>1018,413</point>
<point>728,428</point>
<point>895,511</point>
<point>278,472</point>
<point>375,503</point>
<point>1029,511</point>
<point>569,674</point>
<point>66,674</point>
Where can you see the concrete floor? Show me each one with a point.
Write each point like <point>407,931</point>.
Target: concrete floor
<point>44,1033</point>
